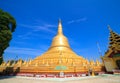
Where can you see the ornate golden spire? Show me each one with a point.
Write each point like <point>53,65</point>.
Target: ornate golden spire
<point>60,40</point>
<point>114,40</point>
<point>60,27</point>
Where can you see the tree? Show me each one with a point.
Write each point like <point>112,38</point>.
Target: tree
<point>7,26</point>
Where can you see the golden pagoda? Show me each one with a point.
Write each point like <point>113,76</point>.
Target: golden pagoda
<point>111,58</point>
<point>59,58</point>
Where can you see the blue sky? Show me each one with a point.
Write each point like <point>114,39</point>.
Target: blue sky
<point>84,23</point>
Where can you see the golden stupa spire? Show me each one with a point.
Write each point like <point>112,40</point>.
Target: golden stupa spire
<point>59,27</point>
<point>59,40</point>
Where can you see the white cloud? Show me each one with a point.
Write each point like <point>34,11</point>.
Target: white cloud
<point>24,51</point>
<point>45,27</point>
<point>77,20</point>
<point>35,29</point>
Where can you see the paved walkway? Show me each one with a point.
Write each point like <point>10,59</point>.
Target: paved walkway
<point>88,79</point>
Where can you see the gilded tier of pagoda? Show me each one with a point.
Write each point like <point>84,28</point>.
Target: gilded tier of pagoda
<point>59,58</point>
<point>111,58</point>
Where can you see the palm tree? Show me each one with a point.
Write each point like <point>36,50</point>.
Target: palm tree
<point>7,26</point>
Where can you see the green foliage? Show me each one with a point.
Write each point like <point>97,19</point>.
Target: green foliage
<point>7,26</point>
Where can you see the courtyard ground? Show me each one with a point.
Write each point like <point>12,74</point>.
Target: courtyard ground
<point>89,79</point>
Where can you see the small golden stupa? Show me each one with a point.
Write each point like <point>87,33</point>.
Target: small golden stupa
<point>58,58</point>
